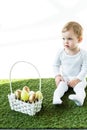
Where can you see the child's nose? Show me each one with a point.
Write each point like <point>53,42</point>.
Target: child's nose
<point>66,41</point>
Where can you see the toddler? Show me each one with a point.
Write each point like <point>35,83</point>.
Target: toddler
<point>70,66</point>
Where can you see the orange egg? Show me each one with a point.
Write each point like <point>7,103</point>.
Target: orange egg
<point>26,88</point>
<point>31,97</point>
<point>18,94</point>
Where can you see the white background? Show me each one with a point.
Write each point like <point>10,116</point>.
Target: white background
<point>30,30</point>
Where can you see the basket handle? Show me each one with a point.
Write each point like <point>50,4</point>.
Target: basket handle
<point>27,63</point>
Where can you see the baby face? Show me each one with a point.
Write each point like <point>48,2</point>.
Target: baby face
<point>70,40</point>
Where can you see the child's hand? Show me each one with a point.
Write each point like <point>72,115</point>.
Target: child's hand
<point>58,78</point>
<point>73,82</point>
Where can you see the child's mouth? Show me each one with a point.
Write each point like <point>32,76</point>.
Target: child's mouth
<point>66,46</point>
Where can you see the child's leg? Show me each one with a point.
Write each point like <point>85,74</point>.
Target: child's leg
<point>80,94</point>
<point>59,92</point>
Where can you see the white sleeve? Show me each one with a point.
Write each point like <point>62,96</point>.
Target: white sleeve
<point>57,63</point>
<point>83,71</point>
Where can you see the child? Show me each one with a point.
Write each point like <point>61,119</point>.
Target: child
<point>70,66</point>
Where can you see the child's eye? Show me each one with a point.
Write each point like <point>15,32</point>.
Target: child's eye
<point>69,38</point>
<point>63,38</point>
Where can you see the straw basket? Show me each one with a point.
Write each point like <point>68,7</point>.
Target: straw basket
<point>19,105</point>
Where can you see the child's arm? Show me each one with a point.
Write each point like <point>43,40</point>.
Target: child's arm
<point>56,68</point>
<point>58,78</point>
<point>74,82</point>
<point>83,71</point>
<point>57,64</point>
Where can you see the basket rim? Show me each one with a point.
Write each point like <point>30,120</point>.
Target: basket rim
<point>10,79</point>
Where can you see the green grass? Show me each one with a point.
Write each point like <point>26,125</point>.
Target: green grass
<point>67,115</point>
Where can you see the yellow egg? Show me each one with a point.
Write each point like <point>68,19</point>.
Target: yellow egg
<point>39,95</point>
<point>24,95</point>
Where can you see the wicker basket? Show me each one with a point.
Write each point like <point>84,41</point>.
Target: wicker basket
<point>19,105</point>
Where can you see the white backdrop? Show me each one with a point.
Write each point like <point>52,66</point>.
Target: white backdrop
<point>30,30</point>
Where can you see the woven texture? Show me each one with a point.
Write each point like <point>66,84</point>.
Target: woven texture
<point>23,107</point>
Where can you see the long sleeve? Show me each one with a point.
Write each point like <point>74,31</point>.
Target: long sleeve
<point>83,71</point>
<point>57,64</point>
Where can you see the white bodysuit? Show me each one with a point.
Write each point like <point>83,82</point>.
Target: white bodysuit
<point>70,67</point>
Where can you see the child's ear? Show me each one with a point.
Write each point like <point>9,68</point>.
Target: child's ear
<point>80,39</point>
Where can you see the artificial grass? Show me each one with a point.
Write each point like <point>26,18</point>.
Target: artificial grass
<point>67,115</point>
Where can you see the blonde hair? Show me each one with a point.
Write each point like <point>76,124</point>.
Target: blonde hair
<point>76,27</point>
